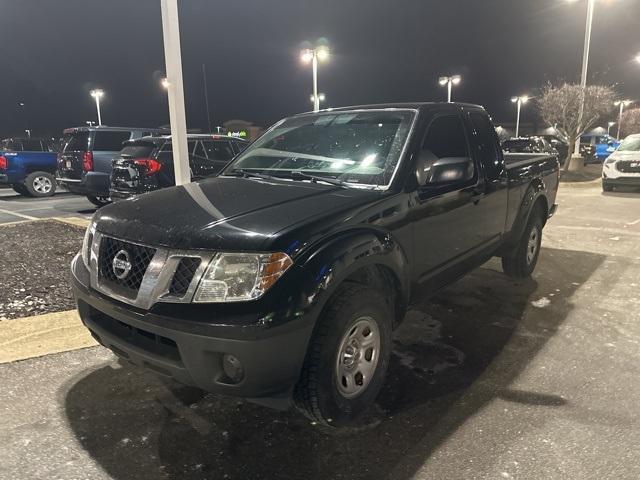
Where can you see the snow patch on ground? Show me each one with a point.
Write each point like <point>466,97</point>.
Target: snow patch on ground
<point>541,303</point>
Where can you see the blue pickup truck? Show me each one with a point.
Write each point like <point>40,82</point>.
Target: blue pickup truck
<point>28,166</point>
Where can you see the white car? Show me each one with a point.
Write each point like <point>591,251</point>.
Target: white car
<point>622,167</point>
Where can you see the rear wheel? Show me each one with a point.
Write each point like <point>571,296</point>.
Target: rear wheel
<point>99,201</point>
<point>347,358</point>
<point>522,260</point>
<point>40,184</point>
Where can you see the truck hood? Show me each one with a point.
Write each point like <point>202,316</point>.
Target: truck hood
<point>226,213</point>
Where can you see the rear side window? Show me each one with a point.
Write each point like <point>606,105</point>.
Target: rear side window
<point>76,142</point>
<point>138,150</point>
<point>488,145</point>
<point>240,146</point>
<point>110,141</point>
<point>446,137</point>
<point>220,150</point>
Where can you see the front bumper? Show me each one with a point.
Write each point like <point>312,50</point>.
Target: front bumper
<point>191,351</point>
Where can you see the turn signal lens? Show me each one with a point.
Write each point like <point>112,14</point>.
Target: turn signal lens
<point>239,277</point>
<point>152,166</point>
<point>87,161</point>
<point>3,162</point>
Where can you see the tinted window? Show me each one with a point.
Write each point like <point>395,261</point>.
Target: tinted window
<point>240,146</point>
<point>488,145</point>
<point>138,150</point>
<point>110,141</point>
<point>219,150</point>
<point>76,142</point>
<point>199,151</point>
<point>446,138</point>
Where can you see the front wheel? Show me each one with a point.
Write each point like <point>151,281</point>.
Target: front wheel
<point>99,201</point>
<point>348,357</point>
<point>522,260</point>
<point>40,184</point>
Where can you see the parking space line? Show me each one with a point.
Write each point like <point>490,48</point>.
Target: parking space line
<point>599,229</point>
<point>635,222</point>
<point>16,214</point>
<point>40,335</point>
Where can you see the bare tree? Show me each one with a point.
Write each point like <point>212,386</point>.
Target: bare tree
<point>560,107</point>
<point>630,122</point>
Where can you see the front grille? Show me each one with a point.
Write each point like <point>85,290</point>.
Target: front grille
<point>626,166</point>
<point>139,258</point>
<point>183,276</point>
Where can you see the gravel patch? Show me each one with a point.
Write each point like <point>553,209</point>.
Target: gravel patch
<point>34,267</point>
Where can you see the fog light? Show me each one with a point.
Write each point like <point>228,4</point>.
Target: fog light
<point>232,368</point>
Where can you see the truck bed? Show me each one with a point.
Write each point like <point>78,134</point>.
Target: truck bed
<point>514,160</point>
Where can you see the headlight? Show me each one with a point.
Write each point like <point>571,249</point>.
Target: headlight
<point>610,159</point>
<point>238,277</point>
<point>86,243</point>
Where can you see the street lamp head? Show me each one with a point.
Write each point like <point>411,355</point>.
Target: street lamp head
<point>638,58</point>
<point>306,55</point>
<point>97,93</point>
<point>321,97</point>
<point>524,99</point>
<point>165,83</point>
<point>322,53</point>
<point>624,103</point>
<point>456,79</point>
<point>21,104</point>
<point>611,124</point>
<point>514,99</point>
<point>443,80</point>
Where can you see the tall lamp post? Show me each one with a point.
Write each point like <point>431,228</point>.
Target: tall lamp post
<point>519,101</point>
<point>621,104</point>
<point>97,95</point>
<point>449,82</point>
<point>313,55</point>
<point>585,65</point>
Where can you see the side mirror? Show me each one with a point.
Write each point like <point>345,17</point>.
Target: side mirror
<point>431,170</point>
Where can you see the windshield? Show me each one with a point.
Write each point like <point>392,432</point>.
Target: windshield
<point>630,144</point>
<point>355,147</point>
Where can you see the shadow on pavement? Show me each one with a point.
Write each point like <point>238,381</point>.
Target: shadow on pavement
<point>455,352</point>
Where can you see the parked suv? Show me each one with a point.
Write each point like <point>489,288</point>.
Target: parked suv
<point>84,164</point>
<point>146,164</point>
<point>622,167</point>
<point>28,165</point>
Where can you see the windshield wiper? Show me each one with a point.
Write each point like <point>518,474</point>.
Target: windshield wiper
<point>301,174</point>
<point>240,172</point>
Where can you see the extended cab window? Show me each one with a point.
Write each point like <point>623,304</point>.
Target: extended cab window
<point>488,145</point>
<point>110,141</point>
<point>32,145</point>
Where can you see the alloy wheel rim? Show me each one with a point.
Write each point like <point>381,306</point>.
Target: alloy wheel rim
<point>532,245</point>
<point>42,184</point>
<point>358,357</point>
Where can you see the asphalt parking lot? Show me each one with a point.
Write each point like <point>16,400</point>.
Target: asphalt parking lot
<point>15,208</point>
<point>490,379</point>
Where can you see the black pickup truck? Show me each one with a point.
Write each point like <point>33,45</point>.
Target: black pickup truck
<point>283,278</point>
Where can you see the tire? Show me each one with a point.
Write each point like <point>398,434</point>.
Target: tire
<point>332,389</point>
<point>40,184</point>
<point>20,189</point>
<point>606,187</point>
<point>522,260</point>
<point>99,201</point>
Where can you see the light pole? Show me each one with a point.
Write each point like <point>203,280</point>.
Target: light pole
<point>609,125</point>
<point>449,82</point>
<point>23,106</point>
<point>622,104</point>
<point>585,64</point>
<point>97,95</point>
<point>321,98</point>
<point>519,101</point>
<point>313,55</point>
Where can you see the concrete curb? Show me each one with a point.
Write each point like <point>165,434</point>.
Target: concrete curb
<point>30,337</point>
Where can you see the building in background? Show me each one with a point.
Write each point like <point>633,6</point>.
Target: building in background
<point>242,129</point>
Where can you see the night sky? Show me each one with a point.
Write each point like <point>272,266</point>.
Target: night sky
<point>53,52</point>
